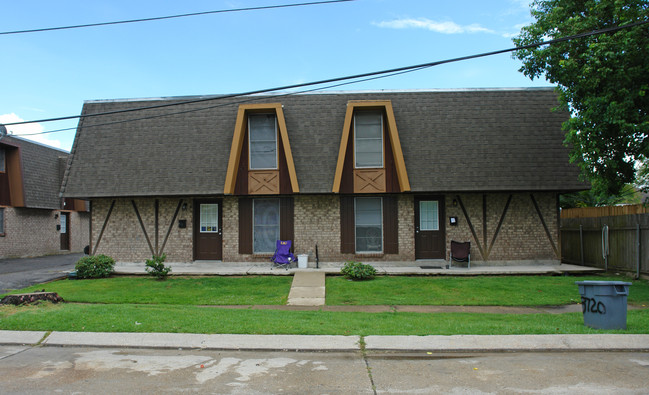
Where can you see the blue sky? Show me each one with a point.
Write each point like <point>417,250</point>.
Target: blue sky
<point>50,74</point>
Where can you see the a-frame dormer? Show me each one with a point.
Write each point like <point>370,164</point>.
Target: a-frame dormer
<point>370,159</point>
<point>261,161</point>
<point>12,190</point>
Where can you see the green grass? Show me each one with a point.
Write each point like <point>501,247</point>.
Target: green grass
<point>470,291</point>
<point>143,304</point>
<point>175,290</point>
<point>193,319</point>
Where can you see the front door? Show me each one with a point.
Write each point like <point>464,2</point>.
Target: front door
<point>65,230</point>
<point>430,231</point>
<point>207,230</point>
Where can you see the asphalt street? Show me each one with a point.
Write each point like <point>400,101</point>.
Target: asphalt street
<point>40,370</point>
<point>23,272</point>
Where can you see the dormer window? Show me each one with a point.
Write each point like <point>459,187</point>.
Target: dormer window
<point>263,141</point>
<point>368,139</point>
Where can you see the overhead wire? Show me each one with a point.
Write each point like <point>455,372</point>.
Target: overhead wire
<point>226,104</point>
<point>376,74</point>
<point>158,18</point>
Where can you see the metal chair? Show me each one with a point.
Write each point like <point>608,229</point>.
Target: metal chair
<point>461,252</point>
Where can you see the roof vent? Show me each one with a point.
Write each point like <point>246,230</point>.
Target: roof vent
<point>3,130</point>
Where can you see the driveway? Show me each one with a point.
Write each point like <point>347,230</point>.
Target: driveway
<point>23,272</point>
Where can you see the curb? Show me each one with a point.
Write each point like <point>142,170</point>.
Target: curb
<point>508,343</point>
<point>325,343</point>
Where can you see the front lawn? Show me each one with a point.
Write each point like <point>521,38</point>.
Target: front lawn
<point>194,319</point>
<point>470,291</point>
<point>175,290</point>
<point>143,304</point>
<point>383,290</point>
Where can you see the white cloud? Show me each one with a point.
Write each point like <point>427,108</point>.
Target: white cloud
<point>27,128</point>
<point>439,27</point>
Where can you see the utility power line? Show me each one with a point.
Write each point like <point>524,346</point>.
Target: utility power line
<point>376,74</point>
<point>158,18</point>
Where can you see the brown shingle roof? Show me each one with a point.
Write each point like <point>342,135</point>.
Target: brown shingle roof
<point>41,168</point>
<point>463,140</point>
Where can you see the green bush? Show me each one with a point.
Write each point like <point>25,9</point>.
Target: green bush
<point>156,267</point>
<point>96,266</point>
<point>358,271</point>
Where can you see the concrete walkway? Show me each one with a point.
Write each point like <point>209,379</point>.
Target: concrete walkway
<point>307,289</point>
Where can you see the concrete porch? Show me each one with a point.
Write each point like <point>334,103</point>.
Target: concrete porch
<point>411,268</point>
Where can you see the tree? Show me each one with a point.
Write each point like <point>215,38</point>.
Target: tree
<point>603,80</point>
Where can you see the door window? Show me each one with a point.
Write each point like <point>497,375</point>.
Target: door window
<point>209,218</point>
<point>429,215</point>
<point>64,223</point>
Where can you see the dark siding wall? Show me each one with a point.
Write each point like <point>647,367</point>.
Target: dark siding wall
<point>347,242</point>
<point>286,218</point>
<point>390,225</point>
<point>245,226</point>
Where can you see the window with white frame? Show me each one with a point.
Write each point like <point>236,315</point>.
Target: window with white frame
<point>209,218</point>
<point>429,215</point>
<point>368,213</point>
<point>265,225</point>
<point>263,141</point>
<point>368,139</point>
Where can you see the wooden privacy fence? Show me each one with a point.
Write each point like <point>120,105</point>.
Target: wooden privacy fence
<point>626,237</point>
<point>608,211</point>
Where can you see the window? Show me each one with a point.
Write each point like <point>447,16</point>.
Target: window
<point>265,225</point>
<point>369,224</point>
<point>2,221</point>
<point>2,160</point>
<point>428,215</point>
<point>368,139</point>
<point>263,141</point>
<point>209,218</point>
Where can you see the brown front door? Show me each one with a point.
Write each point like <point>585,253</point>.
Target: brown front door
<point>430,231</point>
<point>65,230</point>
<point>207,230</point>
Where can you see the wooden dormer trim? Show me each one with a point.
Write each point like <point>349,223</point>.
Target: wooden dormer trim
<point>392,132</point>
<point>14,176</point>
<point>239,137</point>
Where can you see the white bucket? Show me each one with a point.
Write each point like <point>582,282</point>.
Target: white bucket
<point>303,261</point>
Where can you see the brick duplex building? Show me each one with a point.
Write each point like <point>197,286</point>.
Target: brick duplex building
<point>370,176</point>
<point>34,220</point>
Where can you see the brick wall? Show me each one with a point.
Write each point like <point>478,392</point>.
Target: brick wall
<point>521,236</point>
<point>32,232</point>
<point>125,240</point>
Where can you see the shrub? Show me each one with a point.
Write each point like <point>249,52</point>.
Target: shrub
<point>358,271</point>
<point>96,266</point>
<point>156,267</point>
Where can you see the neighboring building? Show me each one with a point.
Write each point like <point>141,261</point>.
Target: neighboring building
<point>34,220</point>
<point>370,176</point>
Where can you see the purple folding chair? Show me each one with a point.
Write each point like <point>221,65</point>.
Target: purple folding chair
<point>282,256</point>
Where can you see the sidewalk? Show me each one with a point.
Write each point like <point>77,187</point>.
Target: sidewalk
<point>457,343</point>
